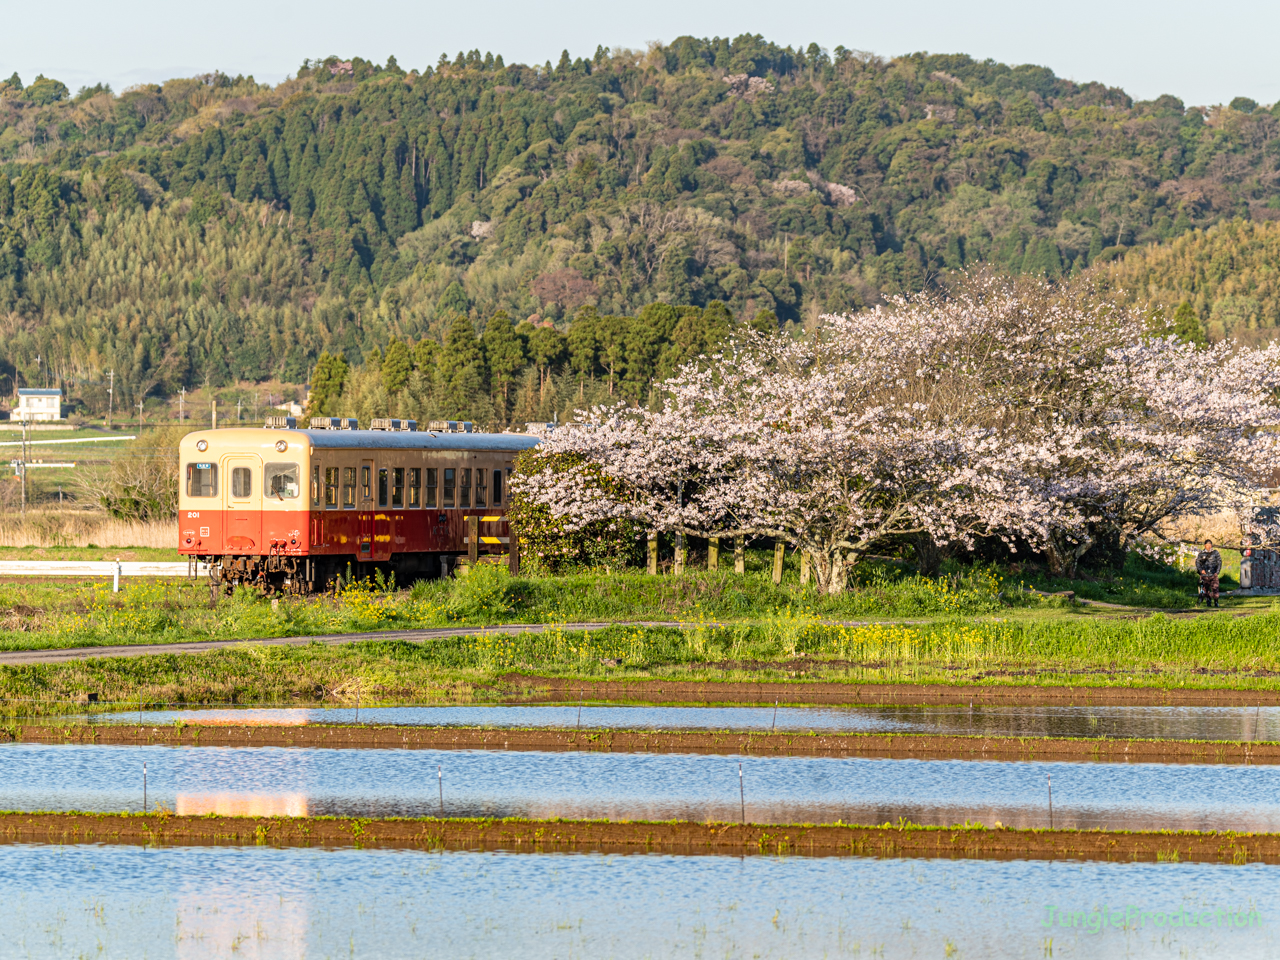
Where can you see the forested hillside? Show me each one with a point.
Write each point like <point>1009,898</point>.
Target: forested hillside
<point>213,229</point>
<point>1228,274</point>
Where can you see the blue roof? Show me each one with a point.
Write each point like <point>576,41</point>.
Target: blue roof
<point>417,440</point>
<point>31,392</point>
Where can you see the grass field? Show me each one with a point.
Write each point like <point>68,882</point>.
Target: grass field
<point>1216,652</point>
<point>970,625</point>
<point>62,613</point>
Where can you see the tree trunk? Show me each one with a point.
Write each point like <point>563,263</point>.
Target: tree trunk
<point>1063,555</point>
<point>830,570</point>
<point>928,555</point>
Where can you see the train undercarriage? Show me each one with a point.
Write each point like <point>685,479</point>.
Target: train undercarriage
<point>275,574</point>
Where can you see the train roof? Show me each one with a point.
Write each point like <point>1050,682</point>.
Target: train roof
<point>380,439</point>
<point>417,440</point>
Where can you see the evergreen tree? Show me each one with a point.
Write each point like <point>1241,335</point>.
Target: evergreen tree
<point>396,366</point>
<point>424,355</point>
<point>503,352</point>
<point>327,380</point>
<point>766,322</point>
<point>453,300</point>
<point>1187,326</point>
<point>547,346</point>
<point>460,371</point>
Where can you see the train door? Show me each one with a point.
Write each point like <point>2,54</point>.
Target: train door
<point>382,516</point>
<point>365,493</point>
<point>243,504</point>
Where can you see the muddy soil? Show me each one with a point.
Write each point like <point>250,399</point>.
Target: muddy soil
<point>535,689</point>
<point>889,746</point>
<point>676,837</point>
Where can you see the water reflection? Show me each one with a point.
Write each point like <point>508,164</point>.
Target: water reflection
<point>271,904</point>
<point>242,804</point>
<point>1158,723</point>
<point>234,915</point>
<point>387,782</point>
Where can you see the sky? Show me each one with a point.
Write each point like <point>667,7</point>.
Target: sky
<point>1202,53</point>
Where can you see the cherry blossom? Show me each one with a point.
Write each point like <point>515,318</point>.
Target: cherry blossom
<point>1018,410</point>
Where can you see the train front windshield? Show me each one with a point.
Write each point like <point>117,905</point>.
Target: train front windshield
<point>281,481</point>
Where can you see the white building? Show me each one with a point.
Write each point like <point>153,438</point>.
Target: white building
<point>38,405</point>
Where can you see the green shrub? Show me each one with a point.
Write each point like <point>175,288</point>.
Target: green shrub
<point>545,540</point>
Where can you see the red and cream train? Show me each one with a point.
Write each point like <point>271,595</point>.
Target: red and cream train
<point>290,509</point>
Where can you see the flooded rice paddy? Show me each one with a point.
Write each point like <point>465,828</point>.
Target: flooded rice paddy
<point>1158,723</point>
<point>261,902</point>
<point>298,781</point>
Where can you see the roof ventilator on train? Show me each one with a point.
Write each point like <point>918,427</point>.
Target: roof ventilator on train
<point>334,423</point>
<point>450,426</point>
<point>387,423</point>
<point>281,423</point>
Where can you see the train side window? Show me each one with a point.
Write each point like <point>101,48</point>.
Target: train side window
<point>382,487</point>
<point>464,488</point>
<point>450,479</point>
<point>366,482</point>
<point>282,481</point>
<point>397,486</point>
<point>497,488</point>
<point>349,487</point>
<point>202,479</point>
<point>315,485</point>
<point>241,483</point>
<point>431,488</point>
<point>415,486</point>
<point>331,484</point>
<point>480,489</point>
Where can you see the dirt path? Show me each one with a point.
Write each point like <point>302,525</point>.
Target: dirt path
<point>676,837</point>
<point>889,746</point>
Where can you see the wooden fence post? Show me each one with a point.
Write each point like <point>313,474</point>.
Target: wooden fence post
<point>779,550</point>
<point>513,550</point>
<point>739,554</point>
<point>653,555</point>
<point>678,566</point>
<point>473,539</point>
<point>804,567</point>
<point>713,553</point>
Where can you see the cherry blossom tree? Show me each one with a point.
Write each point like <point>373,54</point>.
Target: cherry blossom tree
<point>1012,409</point>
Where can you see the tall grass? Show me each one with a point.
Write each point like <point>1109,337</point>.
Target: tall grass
<point>1214,652</point>
<point>36,615</point>
<point>67,528</point>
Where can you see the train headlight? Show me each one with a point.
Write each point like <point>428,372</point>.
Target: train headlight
<point>282,445</point>
<point>202,445</point>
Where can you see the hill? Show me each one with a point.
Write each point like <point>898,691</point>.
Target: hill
<point>212,229</point>
<point>1228,274</point>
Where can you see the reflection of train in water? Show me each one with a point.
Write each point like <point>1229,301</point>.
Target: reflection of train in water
<point>289,508</point>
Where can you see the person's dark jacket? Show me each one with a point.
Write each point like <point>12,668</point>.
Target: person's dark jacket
<point>1208,563</point>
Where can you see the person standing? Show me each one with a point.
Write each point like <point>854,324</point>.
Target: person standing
<point>1208,567</point>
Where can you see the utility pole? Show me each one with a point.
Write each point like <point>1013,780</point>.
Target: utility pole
<point>23,466</point>
<point>111,395</point>
<point>140,414</point>
<point>238,402</point>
